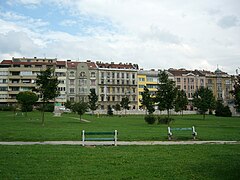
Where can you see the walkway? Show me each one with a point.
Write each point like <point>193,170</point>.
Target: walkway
<point>121,143</point>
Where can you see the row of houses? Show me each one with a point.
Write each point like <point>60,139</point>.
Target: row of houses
<point>111,81</point>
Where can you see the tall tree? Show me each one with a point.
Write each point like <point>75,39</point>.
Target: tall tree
<point>26,99</point>
<point>181,101</point>
<point>80,107</point>
<point>147,100</point>
<point>236,92</point>
<point>204,100</point>
<point>68,104</point>
<point>125,104</point>
<point>118,108</point>
<point>93,99</point>
<point>47,87</point>
<point>166,93</point>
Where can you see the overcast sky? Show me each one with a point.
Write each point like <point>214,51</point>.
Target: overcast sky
<point>160,34</point>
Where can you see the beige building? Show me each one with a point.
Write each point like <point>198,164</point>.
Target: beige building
<point>19,74</point>
<point>116,81</point>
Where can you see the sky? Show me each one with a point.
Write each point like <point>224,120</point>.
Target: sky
<point>159,34</point>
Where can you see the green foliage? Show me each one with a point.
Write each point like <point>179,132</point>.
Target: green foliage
<point>7,108</point>
<point>80,107</point>
<point>47,86</point>
<point>48,107</point>
<point>164,120</point>
<point>27,99</point>
<point>93,99</point>
<point>204,100</point>
<point>125,103</point>
<point>68,104</point>
<point>236,92</point>
<point>150,119</point>
<point>166,93</point>
<point>118,107</point>
<point>222,110</point>
<point>181,101</point>
<point>147,100</point>
<point>109,110</point>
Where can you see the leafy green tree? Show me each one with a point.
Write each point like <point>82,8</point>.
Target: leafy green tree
<point>166,93</point>
<point>204,100</point>
<point>27,99</point>
<point>93,99</point>
<point>222,110</point>
<point>118,108</point>
<point>80,107</point>
<point>109,110</point>
<point>181,101</point>
<point>236,92</point>
<point>47,87</point>
<point>68,104</point>
<point>125,103</point>
<point>147,101</point>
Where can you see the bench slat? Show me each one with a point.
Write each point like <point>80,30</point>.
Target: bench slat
<point>99,139</point>
<point>181,129</point>
<point>99,133</point>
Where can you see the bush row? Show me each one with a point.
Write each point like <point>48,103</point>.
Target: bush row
<point>151,119</point>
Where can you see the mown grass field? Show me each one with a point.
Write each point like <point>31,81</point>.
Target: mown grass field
<point>125,162</point>
<point>130,128</point>
<point>121,162</point>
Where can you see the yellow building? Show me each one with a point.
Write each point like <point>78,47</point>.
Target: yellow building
<point>148,78</point>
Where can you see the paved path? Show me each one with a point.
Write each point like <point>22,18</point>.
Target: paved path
<point>121,143</point>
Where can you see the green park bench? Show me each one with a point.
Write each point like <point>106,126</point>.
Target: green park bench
<point>99,136</point>
<point>192,129</point>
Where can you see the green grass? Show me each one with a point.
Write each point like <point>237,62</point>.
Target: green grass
<point>122,162</point>
<point>130,128</point>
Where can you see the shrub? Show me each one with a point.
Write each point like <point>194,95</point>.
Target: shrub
<point>164,120</point>
<point>150,119</point>
<point>222,110</point>
<point>48,107</point>
<point>6,108</point>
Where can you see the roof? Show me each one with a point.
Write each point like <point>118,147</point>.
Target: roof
<point>181,72</point>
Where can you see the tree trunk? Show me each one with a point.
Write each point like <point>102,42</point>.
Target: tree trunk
<point>80,117</point>
<point>204,115</point>
<point>125,112</point>
<point>168,113</point>
<point>43,113</point>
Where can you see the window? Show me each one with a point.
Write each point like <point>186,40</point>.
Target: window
<point>3,73</point>
<point>122,75</point>
<point>93,82</point>
<point>133,76</point>
<point>141,86</point>
<point>3,81</point>
<point>3,89</point>
<point>127,75</point>
<point>82,74</point>
<point>178,80</point>
<point>93,74</point>
<point>71,90</point>
<point>26,73</point>
<point>141,79</point>
<point>113,74</point>
<point>82,81</point>
<point>71,82</point>
<point>71,74</point>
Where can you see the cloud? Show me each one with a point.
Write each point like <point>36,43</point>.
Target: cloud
<point>228,22</point>
<point>68,22</point>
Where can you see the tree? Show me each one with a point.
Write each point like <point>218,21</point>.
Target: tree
<point>27,99</point>
<point>47,87</point>
<point>204,100</point>
<point>181,101</point>
<point>68,104</point>
<point>80,107</point>
<point>93,99</point>
<point>166,93</point>
<point>109,110</point>
<point>125,103</point>
<point>222,110</point>
<point>118,108</point>
<point>147,100</point>
<point>236,92</point>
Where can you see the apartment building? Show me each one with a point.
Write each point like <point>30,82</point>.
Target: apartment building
<point>81,77</point>
<point>188,80</point>
<point>19,74</point>
<point>220,83</point>
<point>116,81</point>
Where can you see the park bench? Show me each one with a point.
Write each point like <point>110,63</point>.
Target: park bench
<point>170,130</point>
<point>99,136</point>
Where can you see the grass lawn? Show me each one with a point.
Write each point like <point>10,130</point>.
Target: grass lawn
<point>130,128</point>
<point>121,162</point>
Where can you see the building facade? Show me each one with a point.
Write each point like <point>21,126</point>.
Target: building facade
<point>20,74</point>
